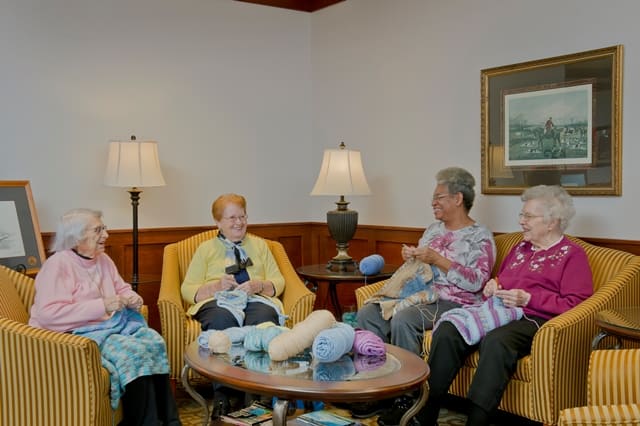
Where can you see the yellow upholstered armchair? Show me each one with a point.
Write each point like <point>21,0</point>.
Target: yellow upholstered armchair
<point>179,330</point>
<point>613,393</point>
<point>554,376</point>
<point>46,377</point>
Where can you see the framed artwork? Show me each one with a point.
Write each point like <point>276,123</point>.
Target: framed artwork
<point>554,121</point>
<point>21,245</point>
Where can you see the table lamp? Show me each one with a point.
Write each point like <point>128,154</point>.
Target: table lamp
<point>133,164</point>
<point>341,173</point>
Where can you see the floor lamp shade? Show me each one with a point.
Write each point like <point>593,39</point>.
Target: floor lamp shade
<point>341,173</point>
<point>133,164</point>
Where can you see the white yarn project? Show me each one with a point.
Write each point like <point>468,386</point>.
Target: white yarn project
<point>301,336</point>
<point>219,342</point>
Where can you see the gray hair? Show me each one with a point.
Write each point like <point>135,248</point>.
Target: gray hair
<point>457,180</point>
<point>557,203</point>
<point>72,227</point>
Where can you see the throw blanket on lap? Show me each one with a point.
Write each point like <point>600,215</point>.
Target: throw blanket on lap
<point>474,322</point>
<point>235,301</point>
<point>128,348</point>
<point>411,284</point>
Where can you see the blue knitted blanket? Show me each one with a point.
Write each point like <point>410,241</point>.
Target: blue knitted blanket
<point>128,348</point>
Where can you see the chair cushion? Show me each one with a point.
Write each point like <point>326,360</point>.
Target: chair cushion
<point>11,305</point>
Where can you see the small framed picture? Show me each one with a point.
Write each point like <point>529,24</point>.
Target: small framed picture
<point>554,121</point>
<point>21,245</point>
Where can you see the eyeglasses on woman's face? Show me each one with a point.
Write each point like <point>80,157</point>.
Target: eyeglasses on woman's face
<point>526,217</point>
<point>98,230</point>
<point>439,197</point>
<point>233,219</point>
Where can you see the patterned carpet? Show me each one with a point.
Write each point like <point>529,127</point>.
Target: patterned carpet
<point>191,413</point>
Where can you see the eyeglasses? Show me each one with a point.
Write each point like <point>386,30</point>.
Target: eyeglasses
<point>528,216</point>
<point>440,197</point>
<point>99,229</point>
<point>234,219</point>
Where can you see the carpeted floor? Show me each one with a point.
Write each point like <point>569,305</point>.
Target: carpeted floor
<point>191,413</point>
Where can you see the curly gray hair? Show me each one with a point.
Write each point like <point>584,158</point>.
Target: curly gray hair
<point>457,180</point>
<point>72,227</point>
<point>557,203</point>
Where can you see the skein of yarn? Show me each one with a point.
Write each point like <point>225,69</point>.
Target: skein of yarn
<point>301,336</point>
<point>371,265</point>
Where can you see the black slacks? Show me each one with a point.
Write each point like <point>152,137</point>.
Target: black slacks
<point>499,351</point>
<point>214,317</point>
<point>149,401</point>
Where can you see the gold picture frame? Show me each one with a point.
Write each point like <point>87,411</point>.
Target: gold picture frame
<point>21,245</point>
<point>554,121</point>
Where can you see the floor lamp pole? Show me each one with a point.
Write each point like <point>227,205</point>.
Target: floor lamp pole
<point>135,198</point>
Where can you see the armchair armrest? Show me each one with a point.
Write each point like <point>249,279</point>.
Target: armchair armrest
<point>366,291</point>
<point>58,371</point>
<point>171,309</point>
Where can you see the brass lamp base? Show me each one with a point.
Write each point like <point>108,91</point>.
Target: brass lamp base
<point>342,224</point>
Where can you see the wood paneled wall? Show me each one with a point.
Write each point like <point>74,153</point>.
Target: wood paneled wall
<point>306,243</point>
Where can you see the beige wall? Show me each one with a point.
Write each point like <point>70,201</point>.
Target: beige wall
<point>244,98</point>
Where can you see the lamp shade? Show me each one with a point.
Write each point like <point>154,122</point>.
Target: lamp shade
<point>341,173</point>
<point>133,164</point>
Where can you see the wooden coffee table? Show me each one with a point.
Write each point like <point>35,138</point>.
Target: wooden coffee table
<point>402,372</point>
<point>621,323</point>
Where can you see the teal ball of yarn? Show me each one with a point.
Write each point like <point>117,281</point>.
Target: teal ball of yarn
<point>372,264</point>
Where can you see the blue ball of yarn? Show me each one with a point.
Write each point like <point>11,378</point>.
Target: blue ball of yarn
<point>372,264</point>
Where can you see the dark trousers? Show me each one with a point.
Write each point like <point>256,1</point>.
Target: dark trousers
<point>499,350</point>
<point>213,317</point>
<point>149,401</point>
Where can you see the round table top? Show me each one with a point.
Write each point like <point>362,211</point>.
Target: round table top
<point>620,321</point>
<point>407,371</point>
<point>321,272</point>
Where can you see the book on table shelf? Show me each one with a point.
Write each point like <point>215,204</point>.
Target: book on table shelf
<point>325,418</point>
<point>254,414</point>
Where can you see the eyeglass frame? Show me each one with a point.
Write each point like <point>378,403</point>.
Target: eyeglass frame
<point>528,216</point>
<point>233,219</point>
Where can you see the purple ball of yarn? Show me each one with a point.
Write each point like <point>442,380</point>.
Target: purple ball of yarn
<point>372,264</point>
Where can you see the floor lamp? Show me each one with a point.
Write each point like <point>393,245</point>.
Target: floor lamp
<point>133,164</point>
<point>341,173</point>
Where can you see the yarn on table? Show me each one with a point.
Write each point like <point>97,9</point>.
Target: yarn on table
<point>301,336</point>
<point>366,342</point>
<point>371,265</point>
<point>330,344</point>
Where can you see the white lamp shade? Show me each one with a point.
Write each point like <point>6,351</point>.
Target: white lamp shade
<point>341,173</point>
<point>133,164</point>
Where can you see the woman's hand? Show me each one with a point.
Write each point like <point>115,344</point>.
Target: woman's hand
<point>513,298</point>
<point>252,287</point>
<point>490,288</point>
<point>208,290</point>
<point>113,304</point>
<point>134,302</point>
<point>432,257</point>
<point>408,252</point>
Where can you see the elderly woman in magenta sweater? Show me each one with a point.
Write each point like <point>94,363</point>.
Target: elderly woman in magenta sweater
<point>545,275</point>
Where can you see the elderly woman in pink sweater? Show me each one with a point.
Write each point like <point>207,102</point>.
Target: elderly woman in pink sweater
<point>79,291</point>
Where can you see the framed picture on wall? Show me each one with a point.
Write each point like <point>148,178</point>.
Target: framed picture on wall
<point>21,245</point>
<point>554,121</point>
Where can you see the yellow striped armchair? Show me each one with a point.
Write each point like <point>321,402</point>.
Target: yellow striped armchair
<point>178,329</point>
<point>613,392</point>
<point>554,376</point>
<point>46,377</point>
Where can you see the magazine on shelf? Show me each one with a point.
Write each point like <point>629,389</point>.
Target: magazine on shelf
<point>325,418</point>
<point>252,415</point>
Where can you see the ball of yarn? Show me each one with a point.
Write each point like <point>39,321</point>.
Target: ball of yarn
<point>219,342</point>
<point>372,265</point>
<point>301,336</point>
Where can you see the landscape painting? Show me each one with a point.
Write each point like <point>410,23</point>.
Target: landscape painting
<point>548,126</point>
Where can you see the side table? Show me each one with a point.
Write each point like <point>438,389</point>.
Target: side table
<point>317,273</point>
<point>619,323</point>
